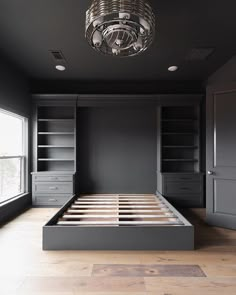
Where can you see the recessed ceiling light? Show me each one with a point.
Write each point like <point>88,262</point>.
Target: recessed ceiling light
<point>172,68</point>
<point>60,68</point>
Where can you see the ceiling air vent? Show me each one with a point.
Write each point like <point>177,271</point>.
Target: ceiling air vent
<point>57,55</point>
<point>59,60</point>
<point>200,54</point>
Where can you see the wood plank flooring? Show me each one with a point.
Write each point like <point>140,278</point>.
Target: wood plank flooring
<point>26,269</point>
<point>142,270</point>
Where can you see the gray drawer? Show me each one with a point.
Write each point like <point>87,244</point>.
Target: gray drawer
<point>186,200</point>
<point>183,177</point>
<point>53,187</point>
<point>50,178</point>
<point>51,200</point>
<point>175,188</point>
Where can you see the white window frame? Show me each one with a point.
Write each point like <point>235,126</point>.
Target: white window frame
<point>23,158</point>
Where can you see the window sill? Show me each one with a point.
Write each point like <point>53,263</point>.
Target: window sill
<point>14,207</point>
<point>7,202</point>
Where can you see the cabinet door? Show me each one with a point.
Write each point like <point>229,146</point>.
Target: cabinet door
<point>221,156</point>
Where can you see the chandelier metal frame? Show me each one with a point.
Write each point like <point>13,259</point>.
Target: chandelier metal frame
<point>120,27</point>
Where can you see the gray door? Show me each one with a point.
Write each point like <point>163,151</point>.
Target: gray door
<point>221,156</point>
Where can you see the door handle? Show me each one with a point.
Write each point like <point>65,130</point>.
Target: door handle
<point>210,172</point>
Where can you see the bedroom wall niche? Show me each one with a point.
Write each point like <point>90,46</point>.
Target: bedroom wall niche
<point>117,149</point>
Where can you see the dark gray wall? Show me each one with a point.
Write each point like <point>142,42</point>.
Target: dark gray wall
<point>225,74</point>
<point>14,89</point>
<point>14,96</point>
<point>117,150</point>
<point>116,87</point>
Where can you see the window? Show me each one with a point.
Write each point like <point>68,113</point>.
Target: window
<point>13,149</point>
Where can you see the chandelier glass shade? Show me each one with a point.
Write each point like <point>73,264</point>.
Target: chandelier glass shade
<point>120,27</point>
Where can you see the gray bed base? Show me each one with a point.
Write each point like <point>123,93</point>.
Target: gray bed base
<point>167,237</point>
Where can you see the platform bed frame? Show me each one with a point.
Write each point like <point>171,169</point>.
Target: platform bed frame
<point>118,222</point>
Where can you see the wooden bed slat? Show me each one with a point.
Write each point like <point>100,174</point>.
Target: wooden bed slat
<point>119,222</point>
<point>68,216</point>
<point>92,211</point>
<point>116,196</point>
<point>114,203</point>
<point>121,211</point>
<point>116,200</point>
<point>113,206</point>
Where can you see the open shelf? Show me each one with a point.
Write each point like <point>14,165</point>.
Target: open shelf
<point>179,120</point>
<point>55,146</point>
<point>180,113</point>
<point>180,146</point>
<point>55,113</point>
<point>56,140</point>
<point>178,133</point>
<point>53,160</point>
<point>180,160</point>
<point>56,120</point>
<point>56,133</point>
<point>180,139</point>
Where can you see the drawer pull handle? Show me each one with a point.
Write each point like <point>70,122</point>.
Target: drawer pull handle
<point>54,178</point>
<point>52,200</point>
<point>185,178</point>
<point>53,188</point>
<point>185,188</point>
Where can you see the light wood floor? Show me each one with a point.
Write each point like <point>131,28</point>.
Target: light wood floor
<point>26,269</point>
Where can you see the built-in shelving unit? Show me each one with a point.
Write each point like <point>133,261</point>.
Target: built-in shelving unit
<point>54,149</point>
<point>179,176</point>
<point>56,127</point>
<point>179,139</point>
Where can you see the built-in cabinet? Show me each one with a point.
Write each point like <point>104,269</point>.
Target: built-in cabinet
<point>52,188</point>
<point>54,149</point>
<point>179,176</point>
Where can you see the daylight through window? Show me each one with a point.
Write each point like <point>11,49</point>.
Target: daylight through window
<point>12,155</point>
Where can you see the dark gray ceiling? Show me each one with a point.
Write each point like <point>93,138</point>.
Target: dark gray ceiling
<point>30,28</point>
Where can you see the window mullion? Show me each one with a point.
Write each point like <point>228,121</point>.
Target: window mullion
<point>10,157</point>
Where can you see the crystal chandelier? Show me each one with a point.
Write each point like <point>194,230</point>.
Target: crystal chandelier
<point>120,27</point>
